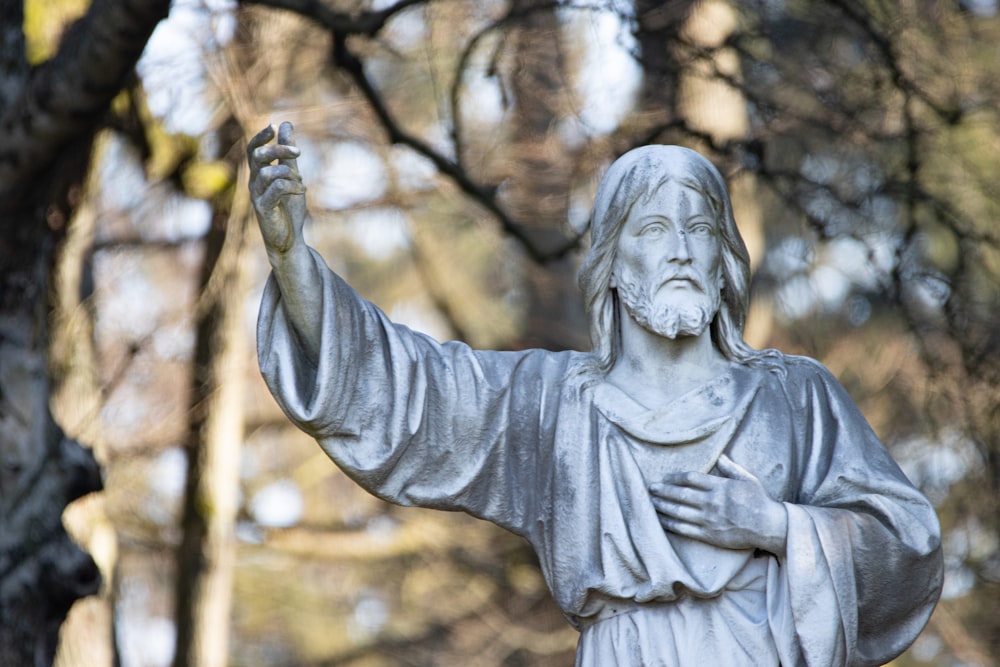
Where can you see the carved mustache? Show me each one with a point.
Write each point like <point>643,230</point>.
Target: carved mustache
<point>683,275</point>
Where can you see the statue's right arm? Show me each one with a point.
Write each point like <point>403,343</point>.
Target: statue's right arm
<point>278,197</point>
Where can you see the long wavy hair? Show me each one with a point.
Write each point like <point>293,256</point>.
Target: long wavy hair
<point>636,176</point>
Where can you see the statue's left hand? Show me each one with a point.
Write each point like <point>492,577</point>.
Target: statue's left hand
<point>733,512</point>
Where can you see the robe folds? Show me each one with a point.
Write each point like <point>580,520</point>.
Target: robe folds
<point>538,444</point>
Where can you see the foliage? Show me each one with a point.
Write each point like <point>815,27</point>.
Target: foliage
<point>44,21</point>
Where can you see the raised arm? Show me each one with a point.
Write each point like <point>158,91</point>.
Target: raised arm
<point>279,200</point>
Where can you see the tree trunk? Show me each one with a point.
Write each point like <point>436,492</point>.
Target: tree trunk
<point>87,637</point>
<point>42,572</point>
<point>539,177</point>
<point>659,25</point>
<point>48,116</point>
<point>207,553</point>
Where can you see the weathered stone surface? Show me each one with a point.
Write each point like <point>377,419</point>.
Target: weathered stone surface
<point>690,499</point>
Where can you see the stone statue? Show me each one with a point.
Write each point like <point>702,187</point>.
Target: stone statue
<point>691,500</point>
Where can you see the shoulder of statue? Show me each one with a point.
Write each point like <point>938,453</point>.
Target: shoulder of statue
<point>795,363</point>
<point>789,370</point>
<point>807,368</point>
<point>581,370</point>
<point>532,366</point>
<point>802,376</point>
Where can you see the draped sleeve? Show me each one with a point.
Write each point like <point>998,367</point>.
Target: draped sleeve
<point>413,421</point>
<point>863,568</point>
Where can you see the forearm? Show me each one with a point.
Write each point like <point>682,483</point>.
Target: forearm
<point>278,196</point>
<point>299,281</point>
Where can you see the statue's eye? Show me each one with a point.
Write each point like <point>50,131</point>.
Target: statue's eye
<point>702,229</point>
<point>653,230</point>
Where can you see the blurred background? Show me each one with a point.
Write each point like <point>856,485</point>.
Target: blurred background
<point>451,149</point>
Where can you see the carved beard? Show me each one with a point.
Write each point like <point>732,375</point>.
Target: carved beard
<point>689,315</point>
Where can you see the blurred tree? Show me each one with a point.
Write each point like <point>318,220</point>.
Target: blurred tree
<point>207,552</point>
<point>538,171</point>
<point>49,114</point>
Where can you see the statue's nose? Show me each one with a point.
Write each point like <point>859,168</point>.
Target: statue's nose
<point>678,250</point>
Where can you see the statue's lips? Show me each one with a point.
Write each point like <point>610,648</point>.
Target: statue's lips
<point>682,281</point>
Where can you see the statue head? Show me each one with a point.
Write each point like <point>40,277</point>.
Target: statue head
<point>638,176</point>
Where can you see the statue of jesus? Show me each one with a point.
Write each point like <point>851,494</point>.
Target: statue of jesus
<point>691,500</point>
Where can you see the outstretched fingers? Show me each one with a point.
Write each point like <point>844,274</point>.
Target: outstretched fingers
<point>259,140</point>
<point>276,188</point>
<point>262,153</point>
<point>274,172</point>
<point>287,138</point>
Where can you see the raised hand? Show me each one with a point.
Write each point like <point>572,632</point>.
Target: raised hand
<point>733,512</point>
<point>276,188</point>
<point>278,197</point>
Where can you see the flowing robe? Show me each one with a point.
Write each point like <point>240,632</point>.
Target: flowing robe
<point>535,443</point>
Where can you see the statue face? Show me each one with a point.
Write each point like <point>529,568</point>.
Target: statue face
<point>668,266</point>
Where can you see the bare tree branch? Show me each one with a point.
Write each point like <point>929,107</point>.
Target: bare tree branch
<point>67,95</point>
<point>368,24</point>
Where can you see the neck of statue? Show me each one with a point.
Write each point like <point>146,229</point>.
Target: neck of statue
<point>654,369</point>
